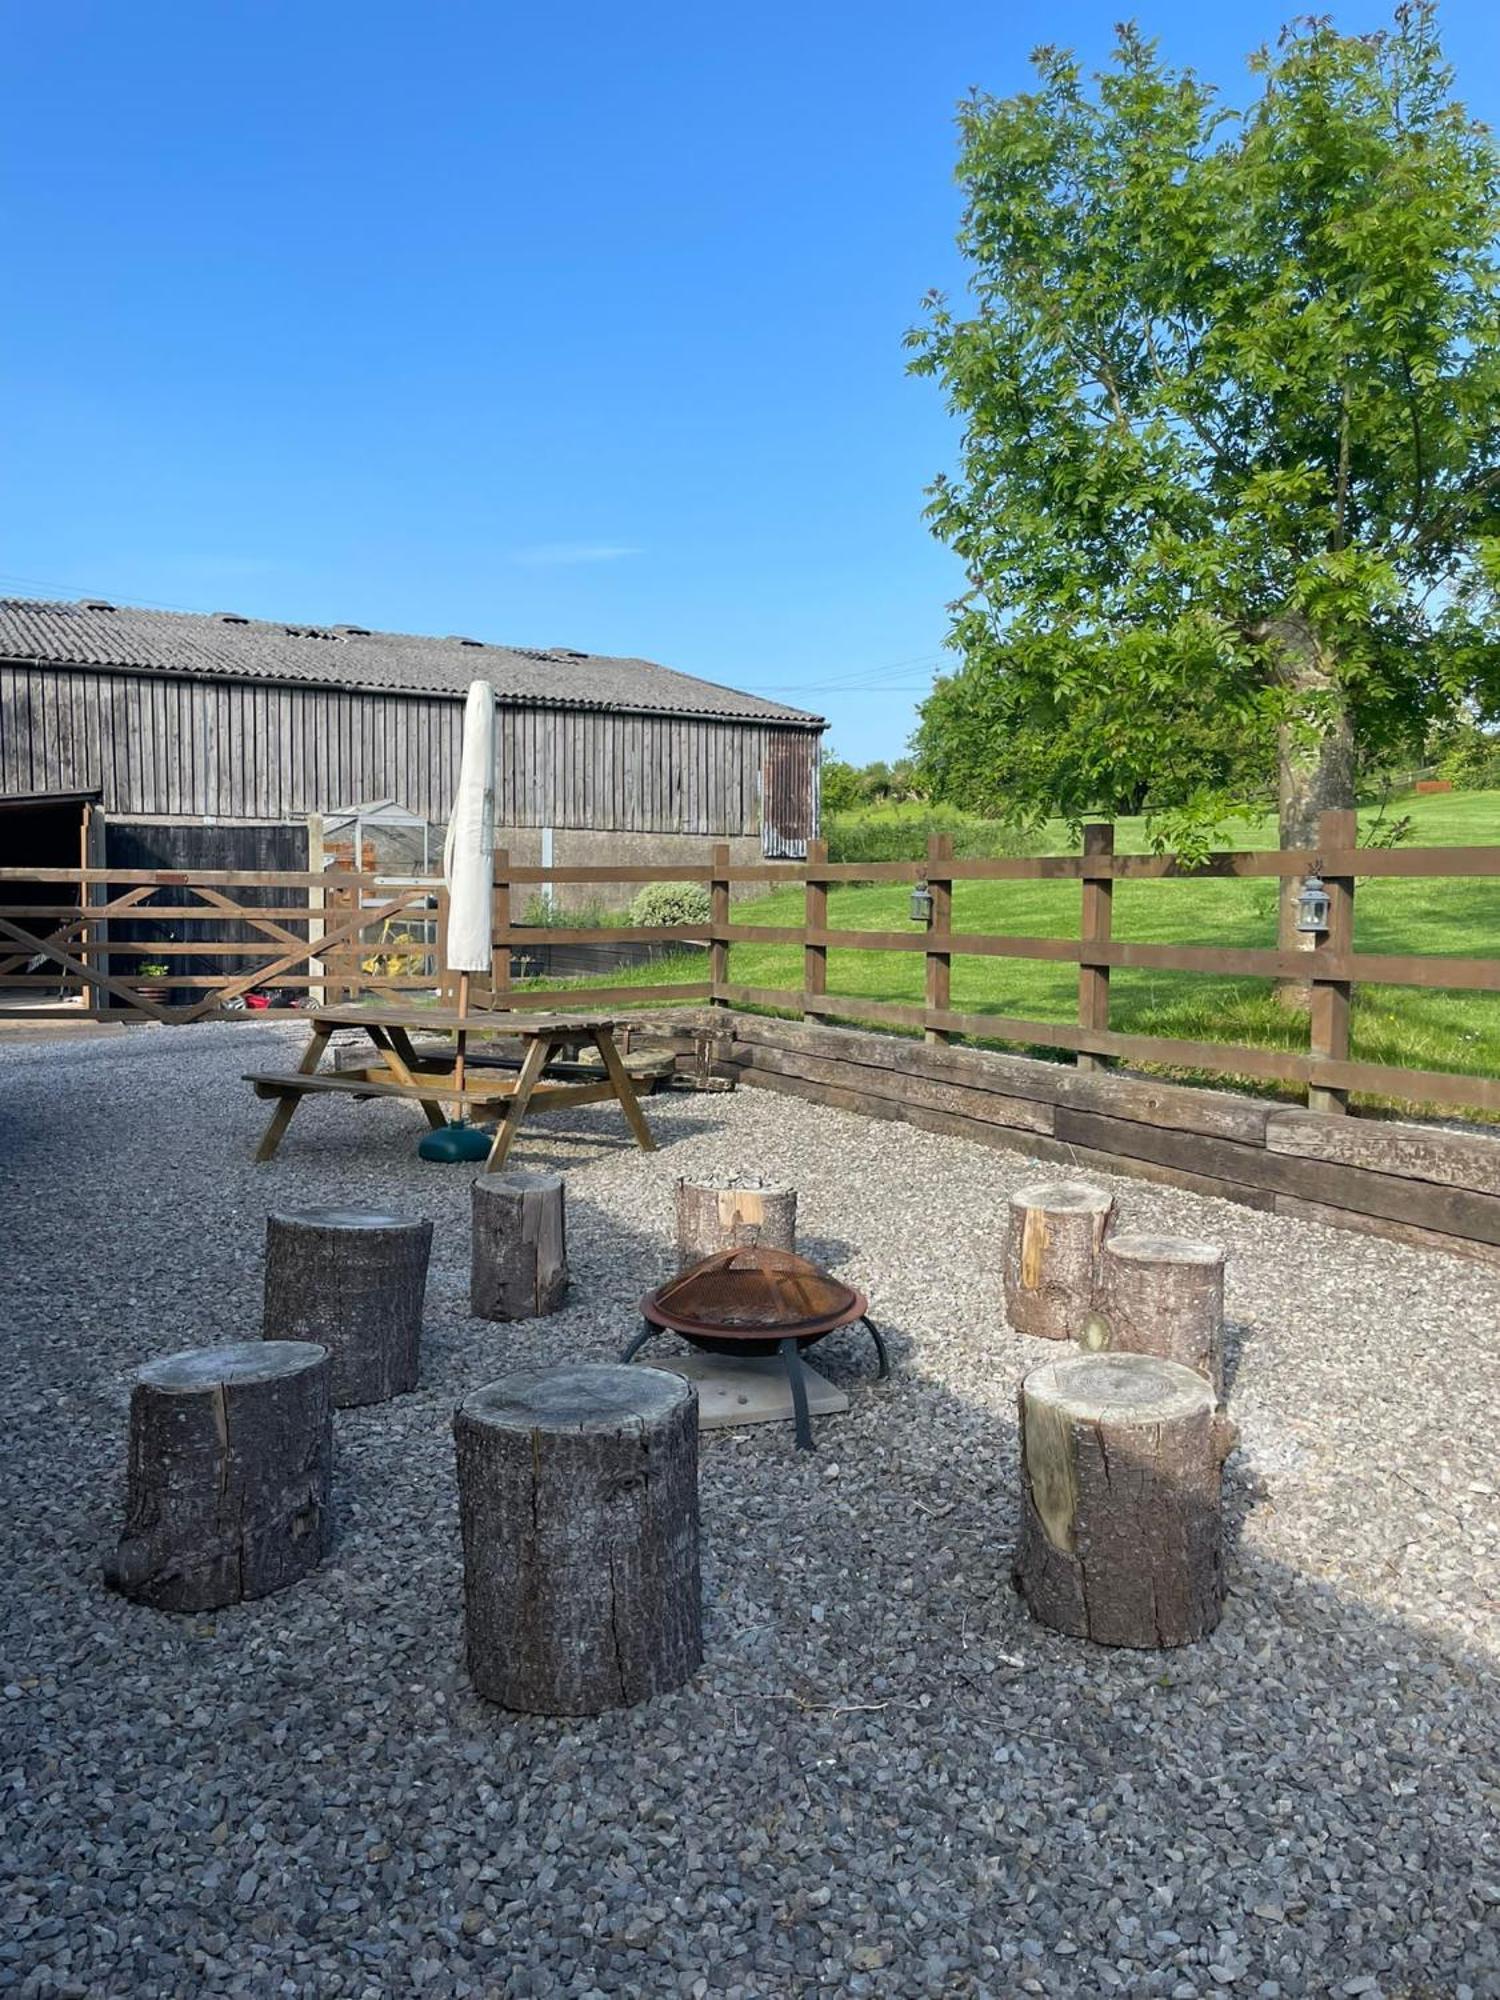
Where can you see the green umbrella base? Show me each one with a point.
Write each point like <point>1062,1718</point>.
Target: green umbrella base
<point>455,1142</point>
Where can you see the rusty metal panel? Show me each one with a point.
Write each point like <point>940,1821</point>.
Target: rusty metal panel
<point>789,795</point>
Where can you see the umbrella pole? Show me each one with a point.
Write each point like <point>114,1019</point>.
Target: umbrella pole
<point>463,1042</point>
<point>457,1139</point>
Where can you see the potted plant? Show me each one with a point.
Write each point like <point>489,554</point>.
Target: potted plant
<point>151,978</point>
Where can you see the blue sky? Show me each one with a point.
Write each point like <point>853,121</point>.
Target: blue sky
<point>552,326</point>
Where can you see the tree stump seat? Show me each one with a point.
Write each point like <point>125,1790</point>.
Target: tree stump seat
<point>578,1497</point>
<point>1161,1295</point>
<point>1122,1458</point>
<point>1052,1249</point>
<point>733,1212</point>
<point>353,1280</point>
<point>231,1455</point>
<point>518,1264</point>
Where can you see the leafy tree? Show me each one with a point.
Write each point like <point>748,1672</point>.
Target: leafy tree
<point>1014,746</point>
<point>1466,753</point>
<point>839,784</point>
<point>847,786</point>
<point>1228,493</point>
<point>907,780</point>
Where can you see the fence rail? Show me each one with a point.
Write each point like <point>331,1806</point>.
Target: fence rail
<point>348,936</point>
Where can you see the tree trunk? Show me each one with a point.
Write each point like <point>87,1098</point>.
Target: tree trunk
<point>735,1213</point>
<point>1121,1461</point>
<point>354,1280</point>
<point>1161,1295</point>
<point>578,1497</point>
<point>1314,777</point>
<point>518,1264</point>
<point>231,1455</point>
<point>1052,1256</point>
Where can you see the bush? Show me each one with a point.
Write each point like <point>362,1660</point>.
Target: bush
<point>671,903</point>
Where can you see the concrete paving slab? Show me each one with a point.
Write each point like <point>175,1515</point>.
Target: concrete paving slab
<point>751,1389</point>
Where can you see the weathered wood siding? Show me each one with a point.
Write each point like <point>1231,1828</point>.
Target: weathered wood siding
<point>260,750</point>
<point>635,773</point>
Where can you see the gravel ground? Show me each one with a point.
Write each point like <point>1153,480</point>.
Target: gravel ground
<point>885,1781</point>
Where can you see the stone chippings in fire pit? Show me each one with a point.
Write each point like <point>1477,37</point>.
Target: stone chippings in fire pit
<point>884,1781</point>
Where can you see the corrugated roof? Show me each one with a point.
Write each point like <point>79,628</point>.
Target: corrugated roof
<point>224,647</point>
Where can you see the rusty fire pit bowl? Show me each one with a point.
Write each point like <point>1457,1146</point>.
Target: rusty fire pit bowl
<point>754,1301</point>
<point>748,1301</point>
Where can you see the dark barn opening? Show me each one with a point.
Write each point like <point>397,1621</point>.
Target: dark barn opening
<point>251,849</point>
<point>45,830</point>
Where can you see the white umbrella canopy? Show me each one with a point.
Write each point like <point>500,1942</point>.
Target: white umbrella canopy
<point>469,849</point>
<point>469,870</point>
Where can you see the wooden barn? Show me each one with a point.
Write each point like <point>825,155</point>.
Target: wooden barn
<point>137,738</point>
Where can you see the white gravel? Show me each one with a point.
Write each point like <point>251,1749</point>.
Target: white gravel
<point>885,1781</point>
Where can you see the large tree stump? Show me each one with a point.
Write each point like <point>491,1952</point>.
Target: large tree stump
<point>1121,1458</point>
<point>1052,1255</point>
<point>737,1212</point>
<point>578,1493</point>
<point>1161,1295</point>
<point>231,1453</point>
<point>354,1280</point>
<point>518,1266</point>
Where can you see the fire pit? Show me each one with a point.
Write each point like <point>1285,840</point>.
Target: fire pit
<point>754,1301</point>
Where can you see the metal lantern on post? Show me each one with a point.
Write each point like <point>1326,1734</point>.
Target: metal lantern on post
<point>1313,906</point>
<point>921,904</point>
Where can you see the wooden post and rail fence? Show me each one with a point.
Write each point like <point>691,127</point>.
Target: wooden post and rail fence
<point>73,941</point>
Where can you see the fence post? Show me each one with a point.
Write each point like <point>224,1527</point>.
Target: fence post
<point>718,910</point>
<point>1098,912</point>
<point>317,861</point>
<point>339,987</point>
<point>815,918</point>
<point>939,963</point>
<point>95,934</point>
<point>500,951</point>
<point>1328,1033</point>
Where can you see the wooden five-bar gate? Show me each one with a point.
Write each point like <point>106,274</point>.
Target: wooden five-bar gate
<point>349,936</point>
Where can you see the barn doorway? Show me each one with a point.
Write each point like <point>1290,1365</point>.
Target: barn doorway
<point>192,846</point>
<point>40,830</point>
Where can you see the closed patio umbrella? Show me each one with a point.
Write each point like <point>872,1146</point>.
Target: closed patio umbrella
<point>469,871</point>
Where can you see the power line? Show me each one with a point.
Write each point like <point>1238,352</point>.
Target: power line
<point>859,680</point>
<point>74,590</point>
<point>864,673</point>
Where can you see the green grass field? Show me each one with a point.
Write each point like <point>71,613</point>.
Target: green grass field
<point>1407,1026</point>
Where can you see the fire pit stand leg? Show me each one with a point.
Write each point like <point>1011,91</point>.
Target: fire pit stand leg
<point>791,1354</point>
<point>635,1346</point>
<point>880,1347</point>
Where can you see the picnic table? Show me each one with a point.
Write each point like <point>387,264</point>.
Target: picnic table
<point>397,1069</point>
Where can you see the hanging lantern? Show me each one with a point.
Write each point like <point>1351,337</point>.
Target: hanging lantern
<point>1313,906</point>
<point>921,904</point>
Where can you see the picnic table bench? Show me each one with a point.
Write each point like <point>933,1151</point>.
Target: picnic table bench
<point>648,1070</point>
<point>398,1070</point>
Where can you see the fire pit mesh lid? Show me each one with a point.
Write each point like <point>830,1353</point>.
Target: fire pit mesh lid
<point>753,1288</point>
